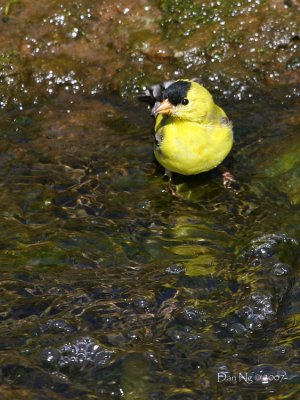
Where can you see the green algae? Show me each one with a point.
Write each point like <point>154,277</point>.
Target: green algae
<point>183,18</point>
<point>8,6</point>
<point>284,170</point>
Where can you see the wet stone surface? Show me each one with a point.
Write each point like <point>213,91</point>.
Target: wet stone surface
<point>85,47</point>
<point>110,287</point>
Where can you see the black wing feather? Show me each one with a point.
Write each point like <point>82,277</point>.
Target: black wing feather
<point>154,93</point>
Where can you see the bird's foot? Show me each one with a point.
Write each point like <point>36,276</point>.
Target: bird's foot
<point>172,189</point>
<point>229,182</point>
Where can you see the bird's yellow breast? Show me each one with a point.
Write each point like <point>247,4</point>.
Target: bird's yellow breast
<point>190,148</point>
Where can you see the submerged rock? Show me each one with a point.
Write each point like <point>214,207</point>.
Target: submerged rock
<point>269,245</point>
<point>269,261</point>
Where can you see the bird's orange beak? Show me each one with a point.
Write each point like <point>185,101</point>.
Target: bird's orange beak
<point>165,107</point>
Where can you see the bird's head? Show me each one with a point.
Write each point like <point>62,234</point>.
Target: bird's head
<point>187,100</point>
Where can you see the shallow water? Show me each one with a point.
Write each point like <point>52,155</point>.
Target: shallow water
<point>111,287</point>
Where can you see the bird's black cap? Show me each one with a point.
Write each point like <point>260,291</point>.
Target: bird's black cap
<point>176,92</point>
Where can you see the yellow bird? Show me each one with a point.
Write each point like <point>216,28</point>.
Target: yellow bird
<point>192,133</point>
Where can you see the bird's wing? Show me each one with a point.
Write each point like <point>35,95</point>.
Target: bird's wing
<point>155,93</point>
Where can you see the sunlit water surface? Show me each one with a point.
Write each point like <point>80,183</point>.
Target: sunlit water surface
<point>112,288</point>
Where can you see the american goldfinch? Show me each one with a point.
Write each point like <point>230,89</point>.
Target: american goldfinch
<point>192,134</point>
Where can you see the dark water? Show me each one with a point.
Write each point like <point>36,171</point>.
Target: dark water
<point>112,288</point>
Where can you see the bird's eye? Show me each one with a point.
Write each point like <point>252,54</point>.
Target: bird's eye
<point>185,102</point>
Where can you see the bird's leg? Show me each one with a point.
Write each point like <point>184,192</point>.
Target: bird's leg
<point>170,186</point>
<point>168,174</point>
